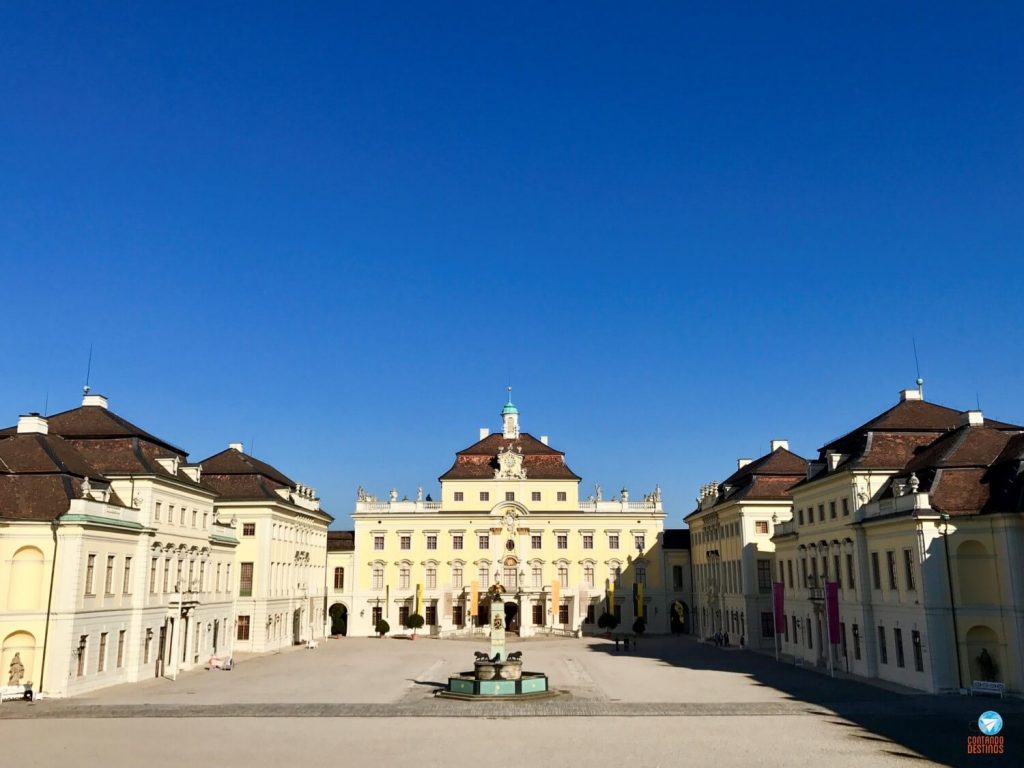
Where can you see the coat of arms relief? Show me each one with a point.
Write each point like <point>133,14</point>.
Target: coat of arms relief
<point>510,464</point>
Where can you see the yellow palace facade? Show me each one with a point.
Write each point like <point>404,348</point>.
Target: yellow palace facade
<point>509,513</point>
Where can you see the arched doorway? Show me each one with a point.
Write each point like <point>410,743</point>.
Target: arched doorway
<point>984,655</point>
<point>339,619</point>
<point>23,646</point>
<point>512,617</point>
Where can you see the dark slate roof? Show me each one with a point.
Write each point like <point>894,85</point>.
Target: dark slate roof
<point>94,421</point>
<point>895,437</point>
<point>40,474</point>
<point>478,461</point>
<point>969,471</point>
<point>767,478</point>
<point>232,462</point>
<point>676,538</point>
<point>341,541</point>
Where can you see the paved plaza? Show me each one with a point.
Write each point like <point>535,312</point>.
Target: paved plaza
<point>671,702</point>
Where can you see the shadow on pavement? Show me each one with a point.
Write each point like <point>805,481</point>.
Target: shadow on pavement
<point>933,727</point>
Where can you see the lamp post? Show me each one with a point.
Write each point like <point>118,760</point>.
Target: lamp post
<point>944,517</point>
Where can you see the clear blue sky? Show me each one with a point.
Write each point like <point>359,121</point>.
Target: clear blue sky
<point>681,230</point>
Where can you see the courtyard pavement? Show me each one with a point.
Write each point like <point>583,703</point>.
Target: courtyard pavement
<point>669,702</point>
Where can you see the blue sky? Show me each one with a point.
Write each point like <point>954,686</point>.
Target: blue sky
<point>679,230</point>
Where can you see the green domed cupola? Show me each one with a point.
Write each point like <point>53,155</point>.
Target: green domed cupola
<point>510,418</point>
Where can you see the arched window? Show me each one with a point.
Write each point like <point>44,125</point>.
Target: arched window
<point>403,577</point>
<point>641,574</point>
<point>588,575</point>
<point>378,577</point>
<point>339,578</point>
<point>457,576</point>
<point>563,576</point>
<point>431,577</point>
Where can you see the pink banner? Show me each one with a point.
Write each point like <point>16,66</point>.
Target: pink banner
<point>779,606</point>
<point>832,610</point>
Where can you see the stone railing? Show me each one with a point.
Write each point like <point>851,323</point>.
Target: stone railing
<point>909,502</point>
<point>785,528</point>
<point>613,507</point>
<point>398,507</point>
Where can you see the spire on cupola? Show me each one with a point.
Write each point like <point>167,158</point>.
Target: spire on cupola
<point>510,418</point>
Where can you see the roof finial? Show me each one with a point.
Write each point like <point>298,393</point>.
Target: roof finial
<point>509,388</point>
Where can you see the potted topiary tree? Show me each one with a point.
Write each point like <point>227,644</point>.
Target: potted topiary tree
<point>608,622</point>
<point>382,628</point>
<point>414,622</point>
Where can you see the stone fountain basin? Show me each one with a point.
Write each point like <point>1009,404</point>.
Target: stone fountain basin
<point>500,670</point>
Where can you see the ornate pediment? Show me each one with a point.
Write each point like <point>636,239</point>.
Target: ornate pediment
<point>510,464</point>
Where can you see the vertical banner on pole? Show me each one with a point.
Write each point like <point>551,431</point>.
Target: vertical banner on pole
<point>556,599</point>
<point>474,598</point>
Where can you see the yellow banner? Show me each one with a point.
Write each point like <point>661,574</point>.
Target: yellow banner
<point>474,598</point>
<point>556,599</point>
<point>611,596</point>
<point>419,599</point>
<point>640,600</point>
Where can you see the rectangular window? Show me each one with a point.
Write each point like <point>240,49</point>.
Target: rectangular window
<point>639,541</point>
<point>457,618</point>
<point>183,510</point>
<point>108,581</point>
<point>403,615</point>
<point>908,569</point>
<point>767,624</point>
<point>535,496</point>
<point>483,541</point>
<point>800,516</point>
<point>563,614</point>
<point>430,615</point>
<point>846,507</point>
<point>431,541</point>
<point>562,496</point>
<point>588,575</point>
<point>195,522</point>
<point>101,662</point>
<point>152,575</point>
<point>883,650</point>
<point>376,615</point>
<point>405,542</point>
<point>339,578</point>
<point>403,578</point>
<point>170,514</point>
<point>849,572</point>
<point>83,642</point>
<point>876,573</point>
<point>613,541</point>
<point>538,576</point>
<point>120,649</point>
<point>218,577</point>
<point>483,577</point>
<point>590,618</point>
<point>378,578</point>
<point>248,529</point>
<point>562,541</point>
<point>761,526</point>
<point>807,631</point>
<point>457,541</point>
<point>915,640</point>
<point>677,577</point>
<point>764,576</point>
<point>167,574</point>
<point>832,510</point>
<point>245,581</point>
<point>535,541</point>
<point>509,578</point>
<point>457,577</point>
<point>510,495</point>
<point>206,519</point>
<point>126,579</point>
<point>838,572</point>
<point>458,495</point>
<point>538,615</point>
<point>821,513</point>
<point>243,627</point>
<point>485,496</point>
<point>378,542</point>
<point>890,562</point>
<point>789,572</point>
<point>431,578</point>
<point>640,574</point>
<point>588,541</point>
<point>897,639</point>
<point>563,576</point>
<point>156,511</point>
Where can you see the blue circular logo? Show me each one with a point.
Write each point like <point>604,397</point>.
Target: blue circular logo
<point>990,723</point>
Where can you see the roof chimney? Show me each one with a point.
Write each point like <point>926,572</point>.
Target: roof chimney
<point>484,432</point>
<point>32,423</point>
<point>97,400</point>
<point>967,419</point>
<point>783,444</point>
<point>544,439</point>
<point>235,447</point>
<point>910,394</point>
<point>741,463</point>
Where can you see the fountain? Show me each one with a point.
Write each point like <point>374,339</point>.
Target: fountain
<point>497,674</point>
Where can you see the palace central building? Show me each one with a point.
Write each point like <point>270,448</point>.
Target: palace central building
<point>510,513</point>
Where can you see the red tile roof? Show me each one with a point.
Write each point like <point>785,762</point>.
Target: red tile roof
<point>479,461</point>
<point>341,541</point>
